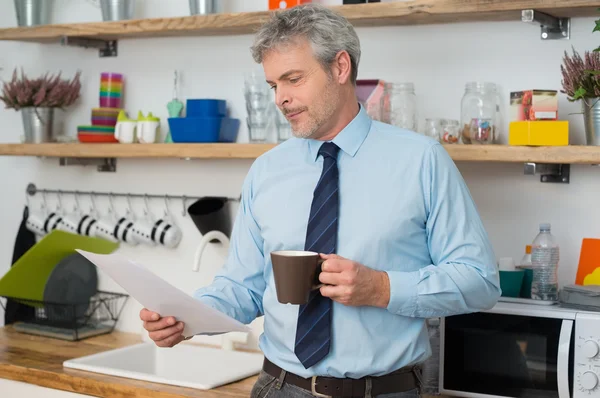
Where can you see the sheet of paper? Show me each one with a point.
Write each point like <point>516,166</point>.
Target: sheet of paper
<point>158,295</point>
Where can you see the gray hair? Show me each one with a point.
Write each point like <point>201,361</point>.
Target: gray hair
<point>327,31</point>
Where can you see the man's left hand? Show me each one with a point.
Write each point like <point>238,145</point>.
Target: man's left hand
<point>353,284</point>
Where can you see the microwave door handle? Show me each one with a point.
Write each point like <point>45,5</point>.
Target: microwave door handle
<point>562,362</point>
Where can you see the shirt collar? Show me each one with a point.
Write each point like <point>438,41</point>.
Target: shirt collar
<point>350,138</point>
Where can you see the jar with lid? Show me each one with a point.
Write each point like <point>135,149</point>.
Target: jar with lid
<point>478,113</point>
<point>402,108</point>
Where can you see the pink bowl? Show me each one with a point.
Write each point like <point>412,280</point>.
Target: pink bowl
<point>108,102</point>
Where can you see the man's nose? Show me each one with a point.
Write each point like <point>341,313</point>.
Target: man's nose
<point>282,97</point>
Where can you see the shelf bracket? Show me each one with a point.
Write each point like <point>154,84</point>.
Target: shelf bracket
<point>552,28</point>
<point>106,48</point>
<point>103,164</point>
<point>557,173</point>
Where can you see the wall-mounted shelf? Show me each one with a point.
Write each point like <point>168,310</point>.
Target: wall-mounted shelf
<point>173,151</point>
<point>464,153</point>
<point>374,14</point>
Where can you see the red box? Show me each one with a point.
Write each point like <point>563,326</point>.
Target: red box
<point>280,4</point>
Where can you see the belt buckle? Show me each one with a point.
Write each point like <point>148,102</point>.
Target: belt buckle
<point>313,384</point>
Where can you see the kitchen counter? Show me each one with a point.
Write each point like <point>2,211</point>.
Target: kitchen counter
<point>38,360</point>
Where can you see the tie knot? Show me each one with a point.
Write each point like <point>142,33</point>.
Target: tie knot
<point>329,149</point>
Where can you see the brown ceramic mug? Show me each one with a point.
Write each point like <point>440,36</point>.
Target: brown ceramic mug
<point>296,274</point>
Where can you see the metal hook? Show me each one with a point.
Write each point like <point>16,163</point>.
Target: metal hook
<point>111,204</point>
<point>77,205</point>
<point>59,206</point>
<point>93,209</point>
<point>44,202</point>
<point>129,206</point>
<point>166,206</point>
<point>146,206</point>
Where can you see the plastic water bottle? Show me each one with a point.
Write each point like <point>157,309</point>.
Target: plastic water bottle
<point>544,262</point>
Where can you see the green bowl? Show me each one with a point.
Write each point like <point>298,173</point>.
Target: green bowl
<point>511,282</point>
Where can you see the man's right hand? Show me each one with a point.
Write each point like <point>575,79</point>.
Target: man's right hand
<point>164,331</point>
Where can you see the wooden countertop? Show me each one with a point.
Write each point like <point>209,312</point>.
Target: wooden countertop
<point>38,360</point>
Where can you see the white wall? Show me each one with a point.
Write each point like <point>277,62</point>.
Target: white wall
<point>438,59</point>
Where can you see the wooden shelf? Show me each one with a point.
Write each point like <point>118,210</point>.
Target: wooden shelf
<point>374,14</point>
<point>571,154</point>
<point>173,151</point>
<point>461,153</point>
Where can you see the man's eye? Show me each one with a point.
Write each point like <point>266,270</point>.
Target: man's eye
<point>294,80</point>
<point>273,87</point>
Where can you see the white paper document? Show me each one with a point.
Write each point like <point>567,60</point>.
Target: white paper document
<point>158,295</point>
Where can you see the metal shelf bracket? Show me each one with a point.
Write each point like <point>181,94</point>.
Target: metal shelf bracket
<point>556,173</point>
<point>103,164</point>
<point>106,48</point>
<point>552,28</point>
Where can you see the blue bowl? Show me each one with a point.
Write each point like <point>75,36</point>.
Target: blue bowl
<point>206,108</point>
<point>203,129</point>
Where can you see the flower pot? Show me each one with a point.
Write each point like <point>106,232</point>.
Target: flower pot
<point>591,119</point>
<point>38,124</point>
<point>33,12</point>
<point>117,10</point>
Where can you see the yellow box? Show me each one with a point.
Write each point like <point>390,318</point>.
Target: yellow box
<point>539,133</point>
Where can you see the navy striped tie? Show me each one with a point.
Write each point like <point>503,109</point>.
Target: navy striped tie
<point>313,331</point>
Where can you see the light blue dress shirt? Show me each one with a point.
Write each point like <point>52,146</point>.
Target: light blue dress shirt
<point>404,209</point>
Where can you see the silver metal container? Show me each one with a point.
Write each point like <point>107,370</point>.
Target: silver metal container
<point>117,10</point>
<point>591,118</point>
<point>38,124</point>
<point>33,12</point>
<point>204,7</point>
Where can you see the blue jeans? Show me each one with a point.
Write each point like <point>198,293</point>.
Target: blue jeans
<point>268,386</point>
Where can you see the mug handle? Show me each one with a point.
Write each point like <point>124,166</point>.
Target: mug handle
<point>317,273</point>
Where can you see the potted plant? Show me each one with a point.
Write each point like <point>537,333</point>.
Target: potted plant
<point>37,99</point>
<point>581,81</point>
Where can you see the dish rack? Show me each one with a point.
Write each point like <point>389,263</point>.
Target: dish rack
<point>71,321</point>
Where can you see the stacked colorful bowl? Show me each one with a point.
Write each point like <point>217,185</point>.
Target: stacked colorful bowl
<point>96,134</point>
<point>111,90</point>
<point>104,118</point>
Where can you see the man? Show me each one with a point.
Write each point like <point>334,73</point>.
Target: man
<point>386,207</point>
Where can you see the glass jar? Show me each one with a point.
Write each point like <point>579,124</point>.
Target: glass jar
<point>450,132</point>
<point>402,106</point>
<point>478,113</point>
<point>433,128</point>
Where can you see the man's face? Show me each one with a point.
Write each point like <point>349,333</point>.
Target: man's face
<point>305,93</point>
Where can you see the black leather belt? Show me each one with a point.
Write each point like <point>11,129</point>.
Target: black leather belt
<point>401,380</point>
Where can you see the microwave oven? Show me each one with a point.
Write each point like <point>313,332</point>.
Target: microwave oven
<point>519,350</point>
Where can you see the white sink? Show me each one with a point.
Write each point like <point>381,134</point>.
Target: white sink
<point>185,365</point>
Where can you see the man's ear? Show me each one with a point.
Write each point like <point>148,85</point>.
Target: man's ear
<point>342,67</point>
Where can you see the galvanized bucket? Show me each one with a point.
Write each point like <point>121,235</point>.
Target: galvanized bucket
<point>204,7</point>
<point>591,118</point>
<point>33,12</point>
<point>117,10</point>
<point>38,124</point>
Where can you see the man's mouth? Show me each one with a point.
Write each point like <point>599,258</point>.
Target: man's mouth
<point>294,114</point>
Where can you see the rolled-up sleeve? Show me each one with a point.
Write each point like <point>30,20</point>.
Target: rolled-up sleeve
<point>237,289</point>
<point>463,275</point>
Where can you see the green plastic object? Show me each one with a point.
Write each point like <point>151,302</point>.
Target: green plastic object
<point>174,107</point>
<point>27,278</point>
<point>511,282</point>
